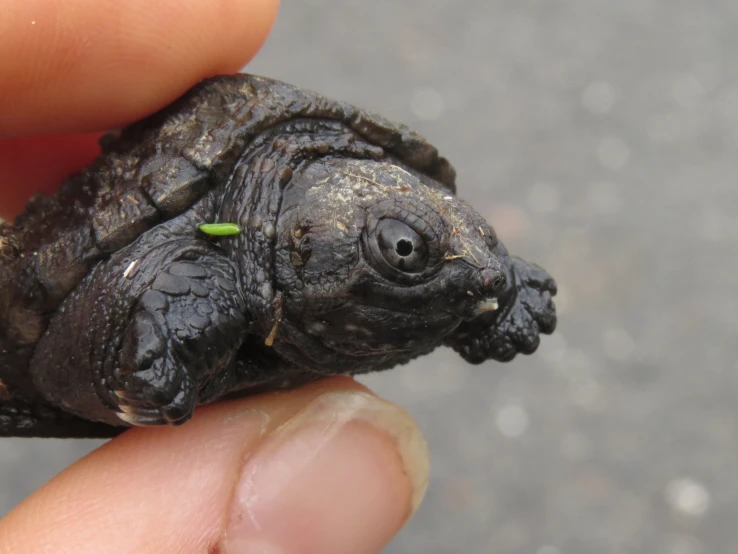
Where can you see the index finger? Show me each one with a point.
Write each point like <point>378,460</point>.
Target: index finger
<point>89,65</point>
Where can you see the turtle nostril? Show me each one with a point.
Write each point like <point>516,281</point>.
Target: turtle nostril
<point>492,280</point>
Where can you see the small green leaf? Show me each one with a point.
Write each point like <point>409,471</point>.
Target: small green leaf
<point>220,229</point>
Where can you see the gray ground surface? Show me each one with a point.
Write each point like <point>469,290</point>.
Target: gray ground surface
<point>600,139</point>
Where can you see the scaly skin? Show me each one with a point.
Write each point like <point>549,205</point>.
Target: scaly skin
<point>354,255</point>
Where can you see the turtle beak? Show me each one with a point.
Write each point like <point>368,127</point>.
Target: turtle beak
<point>485,287</point>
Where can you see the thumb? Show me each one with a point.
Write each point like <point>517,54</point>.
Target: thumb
<point>329,468</point>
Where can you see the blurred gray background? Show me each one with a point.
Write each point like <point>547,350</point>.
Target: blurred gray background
<point>599,137</point>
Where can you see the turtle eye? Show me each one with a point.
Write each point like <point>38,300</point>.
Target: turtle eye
<point>401,247</point>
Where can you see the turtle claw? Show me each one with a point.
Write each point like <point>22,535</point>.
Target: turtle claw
<point>134,411</point>
<point>139,419</point>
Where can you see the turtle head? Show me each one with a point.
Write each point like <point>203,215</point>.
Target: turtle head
<point>379,264</point>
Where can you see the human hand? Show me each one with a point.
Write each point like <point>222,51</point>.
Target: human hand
<point>329,468</point>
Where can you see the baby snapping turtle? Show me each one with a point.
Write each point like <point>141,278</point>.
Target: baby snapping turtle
<point>351,254</point>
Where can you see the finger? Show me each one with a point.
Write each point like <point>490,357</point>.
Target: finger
<point>87,65</point>
<point>329,468</point>
<point>39,164</point>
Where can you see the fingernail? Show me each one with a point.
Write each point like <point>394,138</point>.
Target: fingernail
<point>341,476</point>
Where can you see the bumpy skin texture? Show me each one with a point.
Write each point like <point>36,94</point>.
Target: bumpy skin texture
<point>354,255</point>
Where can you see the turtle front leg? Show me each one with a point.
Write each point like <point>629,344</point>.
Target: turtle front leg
<point>183,330</point>
<point>141,336</point>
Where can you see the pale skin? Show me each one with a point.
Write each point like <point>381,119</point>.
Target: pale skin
<point>329,468</point>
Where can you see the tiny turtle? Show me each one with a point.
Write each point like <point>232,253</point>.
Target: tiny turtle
<point>249,237</point>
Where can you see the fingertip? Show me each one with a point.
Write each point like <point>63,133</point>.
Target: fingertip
<point>160,489</point>
<point>342,475</point>
<point>100,65</point>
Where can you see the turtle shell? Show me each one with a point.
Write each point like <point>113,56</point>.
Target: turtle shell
<point>152,171</point>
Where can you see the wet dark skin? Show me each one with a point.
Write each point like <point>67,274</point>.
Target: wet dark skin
<point>354,253</point>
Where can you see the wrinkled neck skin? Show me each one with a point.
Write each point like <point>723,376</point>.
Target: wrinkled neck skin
<point>309,209</point>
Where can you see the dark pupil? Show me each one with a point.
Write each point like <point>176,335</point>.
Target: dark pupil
<point>401,247</point>
<point>404,248</point>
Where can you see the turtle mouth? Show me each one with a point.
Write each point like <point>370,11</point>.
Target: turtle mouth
<point>525,311</point>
